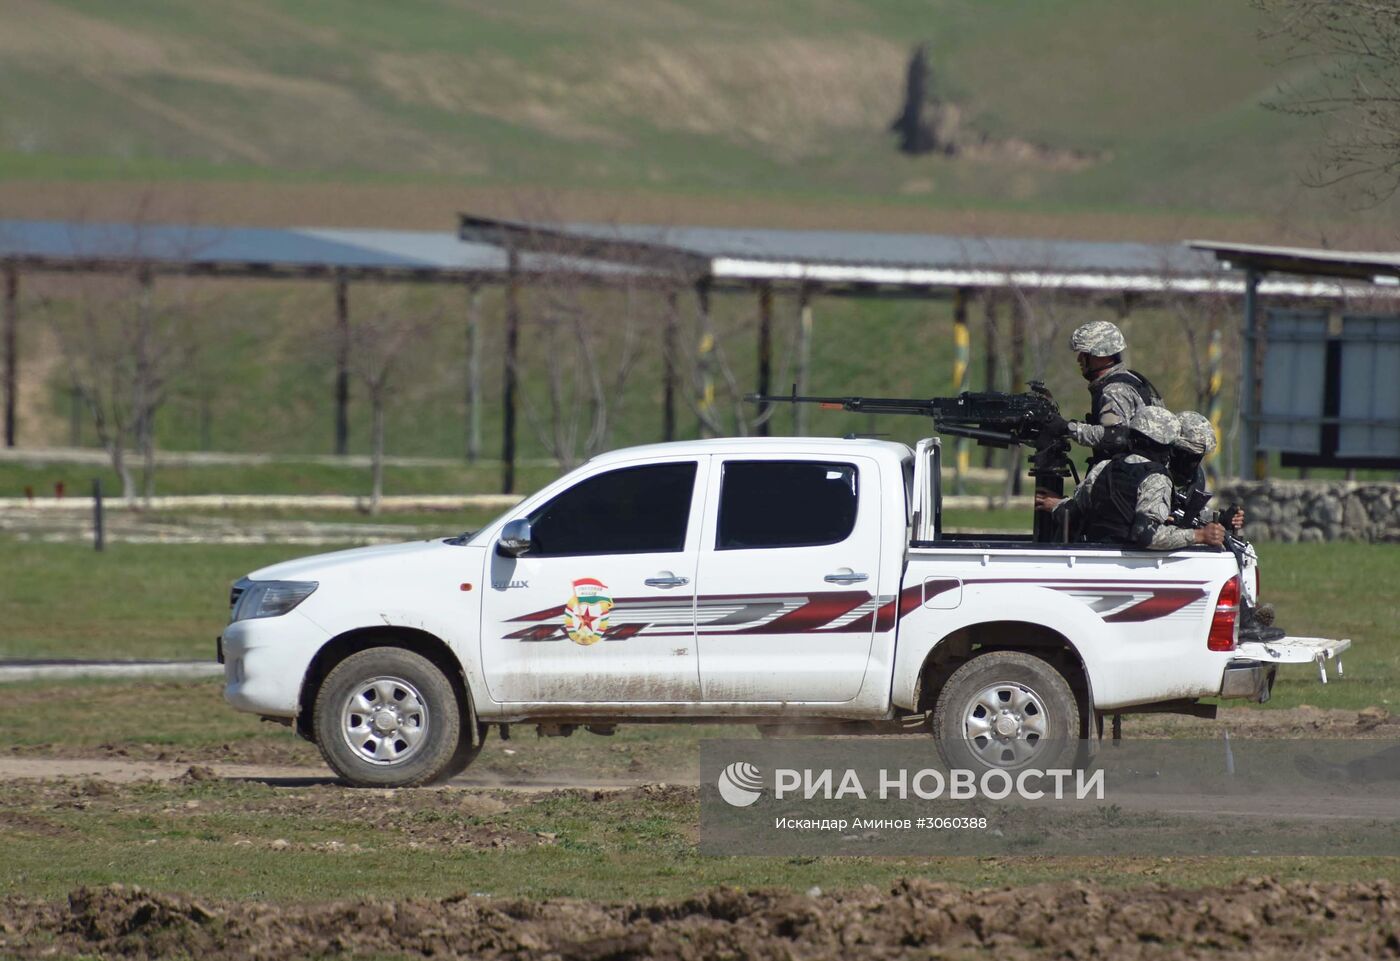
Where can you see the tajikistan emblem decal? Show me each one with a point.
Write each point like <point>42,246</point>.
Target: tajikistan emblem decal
<point>586,614</point>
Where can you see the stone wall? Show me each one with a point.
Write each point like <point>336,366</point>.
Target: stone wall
<point>1281,510</point>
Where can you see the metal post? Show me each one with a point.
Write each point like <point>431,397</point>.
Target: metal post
<point>989,305</point>
<point>962,349</point>
<point>1249,426</point>
<point>342,372</point>
<point>11,350</point>
<point>1214,355</point>
<point>668,367</point>
<point>804,358</point>
<point>765,354</point>
<point>473,373</point>
<point>704,351</point>
<point>1018,384</point>
<point>511,359</point>
<point>99,533</point>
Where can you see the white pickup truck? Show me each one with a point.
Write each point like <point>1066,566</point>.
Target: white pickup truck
<point>795,584</point>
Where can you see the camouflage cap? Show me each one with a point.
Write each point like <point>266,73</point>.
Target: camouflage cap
<point>1098,338</point>
<point>1157,424</point>
<point>1195,433</point>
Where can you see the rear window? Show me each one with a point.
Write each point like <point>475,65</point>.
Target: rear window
<point>785,504</point>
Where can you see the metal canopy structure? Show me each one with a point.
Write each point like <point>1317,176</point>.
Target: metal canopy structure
<point>1333,400</point>
<point>1379,267</point>
<point>914,265</point>
<point>702,260</point>
<point>341,256</point>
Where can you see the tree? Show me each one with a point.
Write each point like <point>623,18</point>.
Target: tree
<point>1355,45</point>
<point>120,347</point>
<point>587,345</point>
<point>925,124</point>
<point>377,343</point>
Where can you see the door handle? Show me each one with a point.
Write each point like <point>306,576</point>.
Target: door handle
<point>666,579</point>
<point>846,576</point>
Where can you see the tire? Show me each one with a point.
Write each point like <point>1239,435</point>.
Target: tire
<point>386,717</point>
<point>1006,710</point>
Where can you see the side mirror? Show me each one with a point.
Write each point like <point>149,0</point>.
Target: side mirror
<point>515,538</point>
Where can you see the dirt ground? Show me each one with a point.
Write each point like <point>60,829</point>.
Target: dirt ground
<point>1258,918</point>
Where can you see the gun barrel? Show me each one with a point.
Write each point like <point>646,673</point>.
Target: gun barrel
<point>859,405</point>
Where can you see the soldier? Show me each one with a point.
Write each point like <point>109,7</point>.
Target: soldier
<point>1195,441</point>
<point>1115,392</point>
<point>1127,499</point>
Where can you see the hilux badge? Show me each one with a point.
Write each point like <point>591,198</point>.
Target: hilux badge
<point>586,614</point>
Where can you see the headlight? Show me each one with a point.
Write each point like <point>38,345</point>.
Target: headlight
<point>268,598</point>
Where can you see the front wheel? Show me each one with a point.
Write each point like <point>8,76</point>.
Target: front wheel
<point>1007,710</point>
<point>386,717</point>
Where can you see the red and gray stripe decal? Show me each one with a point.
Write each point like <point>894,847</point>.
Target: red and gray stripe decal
<point>843,612</point>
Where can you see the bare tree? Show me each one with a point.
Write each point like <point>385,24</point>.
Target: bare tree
<point>377,343</point>
<point>120,347</point>
<point>588,342</point>
<point>1355,45</point>
<point>1198,316</point>
<point>705,362</point>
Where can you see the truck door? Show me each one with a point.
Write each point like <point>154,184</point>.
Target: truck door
<point>784,609</point>
<point>602,605</point>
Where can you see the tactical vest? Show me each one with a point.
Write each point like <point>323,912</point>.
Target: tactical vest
<point>1143,386</point>
<point>1113,501</point>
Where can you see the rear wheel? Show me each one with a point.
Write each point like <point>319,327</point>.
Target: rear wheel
<point>386,717</point>
<point>1007,710</point>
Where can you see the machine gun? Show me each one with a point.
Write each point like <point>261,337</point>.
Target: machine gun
<point>991,418</point>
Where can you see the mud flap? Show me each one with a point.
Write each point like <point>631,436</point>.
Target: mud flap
<point>1298,650</point>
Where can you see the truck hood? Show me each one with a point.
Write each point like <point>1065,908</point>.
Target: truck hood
<point>326,566</point>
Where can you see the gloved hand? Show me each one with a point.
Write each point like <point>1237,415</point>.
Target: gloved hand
<point>1057,425</point>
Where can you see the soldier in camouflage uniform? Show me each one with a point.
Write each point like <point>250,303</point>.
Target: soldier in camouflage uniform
<point>1127,499</point>
<point>1115,392</point>
<point>1195,441</point>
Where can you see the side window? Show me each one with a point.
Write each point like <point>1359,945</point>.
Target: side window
<point>634,510</point>
<point>785,504</point>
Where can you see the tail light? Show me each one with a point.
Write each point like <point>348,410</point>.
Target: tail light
<point>1222,625</point>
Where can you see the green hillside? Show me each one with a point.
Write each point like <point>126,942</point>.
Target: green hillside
<point>763,97</point>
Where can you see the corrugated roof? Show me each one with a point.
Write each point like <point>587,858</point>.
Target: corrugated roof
<point>861,248</point>
<point>1379,265</point>
<point>236,250</point>
<point>914,263</point>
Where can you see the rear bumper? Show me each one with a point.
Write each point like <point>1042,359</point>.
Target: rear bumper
<point>1252,680</point>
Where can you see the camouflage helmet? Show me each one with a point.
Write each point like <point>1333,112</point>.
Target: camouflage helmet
<point>1195,433</point>
<point>1157,424</point>
<point>1098,338</point>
